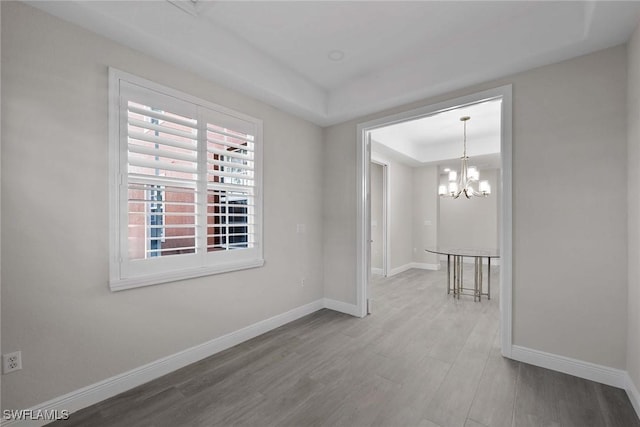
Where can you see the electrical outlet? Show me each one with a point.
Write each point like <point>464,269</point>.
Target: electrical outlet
<point>11,362</point>
<point>302,282</point>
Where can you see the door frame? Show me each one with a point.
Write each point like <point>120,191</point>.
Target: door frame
<point>363,220</point>
<point>386,238</point>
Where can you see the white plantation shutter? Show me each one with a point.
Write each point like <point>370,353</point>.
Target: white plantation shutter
<point>230,183</point>
<point>162,179</point>
<point>187,178</point>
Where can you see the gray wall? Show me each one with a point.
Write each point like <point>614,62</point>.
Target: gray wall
<point>569,222</point>
<point>633,138</point>
<point>377,224</point>
<point>425,214</point>
<point>471,223</point>
<point>400,212</point>
<point>56,307</point>
<point>413,213</point>
<point>56,304</point>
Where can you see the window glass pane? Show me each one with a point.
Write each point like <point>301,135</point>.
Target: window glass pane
<point>230,199</point>
<point>161,221</point>
<point>229,221</point>
<point>162,150</point>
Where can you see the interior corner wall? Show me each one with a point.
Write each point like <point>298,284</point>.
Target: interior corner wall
<point>339,213</point>
<point>425,215</point>
<point>400,213</point>
<point>633,138</point>
<point>569,222</point>
<point>56,304</point>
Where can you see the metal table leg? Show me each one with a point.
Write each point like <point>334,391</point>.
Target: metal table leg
<point>488,277</point>
<point>460,276</point>
<point>475,278</point>
<point>448,273</point>
<point>480,279</point>
<point>455,276</point>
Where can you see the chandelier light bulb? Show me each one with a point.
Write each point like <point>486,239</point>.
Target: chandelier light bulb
<point>473,173</point>
<point>484,187</point>
<point>442,190</point>
<point>453,175</point>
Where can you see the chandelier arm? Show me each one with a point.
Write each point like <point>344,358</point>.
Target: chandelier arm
<point>478,193</point>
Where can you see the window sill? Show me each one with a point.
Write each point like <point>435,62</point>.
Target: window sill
<point>156,279</point>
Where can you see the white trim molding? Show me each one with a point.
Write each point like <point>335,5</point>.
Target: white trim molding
<point>425,266</point>
<point>577,368</point>
<point>633,393</point>
<point>110,387</point>
<point>386,212</point>
<point>341,307</point>
<point>410,265</point>
<point>398,270</point>
<point>581,369</point>
<point>506,229</point>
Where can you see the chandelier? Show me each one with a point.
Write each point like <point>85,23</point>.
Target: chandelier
<point>461,183</point>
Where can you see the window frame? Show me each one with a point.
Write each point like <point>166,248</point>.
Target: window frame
<point>203,263</point>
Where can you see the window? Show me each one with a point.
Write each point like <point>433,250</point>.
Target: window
<point>185,185</point>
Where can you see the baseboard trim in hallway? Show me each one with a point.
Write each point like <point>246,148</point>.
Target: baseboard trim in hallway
<point>341,307</point>
<point>577,368</point>
<point>110,387</point>
<point>409,266</point>
<point>581,369</point>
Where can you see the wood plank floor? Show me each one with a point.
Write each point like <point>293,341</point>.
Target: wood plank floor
<point>422,359</point>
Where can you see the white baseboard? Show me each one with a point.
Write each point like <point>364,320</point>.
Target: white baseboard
<point>634,394</point>
<point>425,266</point>
<point>577,368</point>
<point>110,387</point>
<point>409,266</point>
<point>378,271</point>
<point>341,307</point>
<point>399,270</point>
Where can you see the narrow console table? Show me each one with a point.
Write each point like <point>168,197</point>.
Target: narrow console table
<point>455,257</point>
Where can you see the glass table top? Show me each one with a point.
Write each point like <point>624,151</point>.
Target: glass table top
<point>470,252</point>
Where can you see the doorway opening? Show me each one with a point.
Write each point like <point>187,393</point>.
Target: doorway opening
<point>379,217</point>
<point>501,96</point>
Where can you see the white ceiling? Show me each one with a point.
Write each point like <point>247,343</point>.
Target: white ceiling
<point>437,138</point>
<point>394,52</point>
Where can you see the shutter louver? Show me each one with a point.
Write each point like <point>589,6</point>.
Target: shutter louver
<point>230,188</point>
<point>162,182</point>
